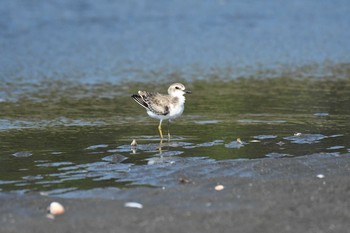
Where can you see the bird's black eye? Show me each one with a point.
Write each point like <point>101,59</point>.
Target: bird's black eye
<point>177,88</point>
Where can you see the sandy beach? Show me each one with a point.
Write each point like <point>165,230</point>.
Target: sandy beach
<point>287,195</point>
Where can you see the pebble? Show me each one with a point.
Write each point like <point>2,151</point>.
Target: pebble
<point>219,187</point>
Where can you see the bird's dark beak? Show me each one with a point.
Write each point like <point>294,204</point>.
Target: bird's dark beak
<point>188,92</point>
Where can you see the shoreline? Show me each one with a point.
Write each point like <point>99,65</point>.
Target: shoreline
<point>273,200</point>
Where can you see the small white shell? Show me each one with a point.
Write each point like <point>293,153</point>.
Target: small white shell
<point>219,187</point>
<point>133,205</point>
<point>56,208</point>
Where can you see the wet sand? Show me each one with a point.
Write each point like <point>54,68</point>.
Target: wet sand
<point>283,195</point>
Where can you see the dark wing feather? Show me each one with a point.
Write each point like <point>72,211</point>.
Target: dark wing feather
<point>140,101</point>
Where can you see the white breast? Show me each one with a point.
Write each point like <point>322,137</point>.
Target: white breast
<point>177,110</point>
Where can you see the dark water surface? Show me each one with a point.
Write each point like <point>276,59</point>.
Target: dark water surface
<point>269,79</point>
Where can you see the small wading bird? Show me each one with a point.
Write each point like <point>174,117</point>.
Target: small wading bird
<point>163,107</point>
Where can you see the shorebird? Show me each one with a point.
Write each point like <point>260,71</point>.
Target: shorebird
<point>163,107</point>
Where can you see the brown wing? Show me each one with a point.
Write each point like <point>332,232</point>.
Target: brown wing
<point>154,102</point>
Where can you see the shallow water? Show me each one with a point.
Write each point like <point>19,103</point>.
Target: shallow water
<point>269,79</point>
<point>67,138</point>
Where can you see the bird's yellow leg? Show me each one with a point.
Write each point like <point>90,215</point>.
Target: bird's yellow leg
<point>160,130</point>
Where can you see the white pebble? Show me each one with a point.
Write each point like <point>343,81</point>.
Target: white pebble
<point>321,176</point>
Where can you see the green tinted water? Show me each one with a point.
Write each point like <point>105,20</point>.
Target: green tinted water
<point>63,137</point>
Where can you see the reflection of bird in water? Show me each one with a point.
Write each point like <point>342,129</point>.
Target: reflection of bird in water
<point>163,107</point>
